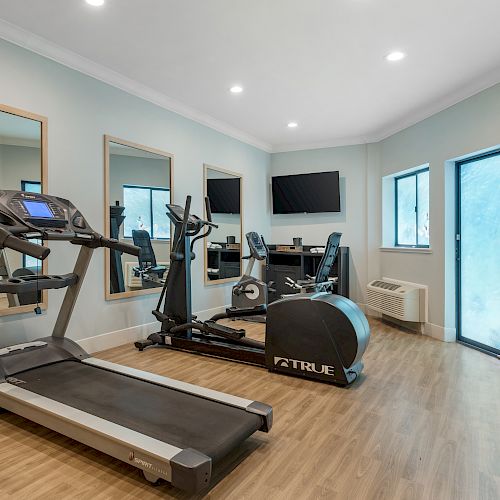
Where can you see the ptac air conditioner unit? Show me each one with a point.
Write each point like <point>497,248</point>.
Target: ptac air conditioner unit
<point>398,299</point>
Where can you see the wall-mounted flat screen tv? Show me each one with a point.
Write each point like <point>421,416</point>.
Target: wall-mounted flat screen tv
<point>224,195</point>
<point>306,193</point>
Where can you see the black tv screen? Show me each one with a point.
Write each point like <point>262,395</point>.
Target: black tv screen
<point>306,193</point>
<point>224,195</point>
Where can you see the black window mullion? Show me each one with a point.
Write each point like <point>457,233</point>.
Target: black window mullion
<point>151,212</point>
<point>416,208</point>
<point>396,205</point>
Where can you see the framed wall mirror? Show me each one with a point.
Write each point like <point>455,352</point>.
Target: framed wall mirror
<point>23,166</point>
<point>224,245</point>
<point>138,185</point>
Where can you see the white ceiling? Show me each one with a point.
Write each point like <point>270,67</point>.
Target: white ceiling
<point>318,62</point>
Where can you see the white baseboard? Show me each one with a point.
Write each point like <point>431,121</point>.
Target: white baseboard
<point>117,337</point>
<point>130,335</point>
<point>435,331</point>
<point>208,313</point>
<point>440,332</point>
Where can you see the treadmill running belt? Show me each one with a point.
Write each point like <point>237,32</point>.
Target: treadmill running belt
<point>171,416</point>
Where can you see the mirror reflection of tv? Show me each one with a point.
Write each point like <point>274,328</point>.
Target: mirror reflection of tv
<point>224,195</point>
<point>306,193</point>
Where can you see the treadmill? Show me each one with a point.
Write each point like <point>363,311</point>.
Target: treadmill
<point>169,429</point>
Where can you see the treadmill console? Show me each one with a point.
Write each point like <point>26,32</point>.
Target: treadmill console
<point>49,214</point>
<point>257,248</point>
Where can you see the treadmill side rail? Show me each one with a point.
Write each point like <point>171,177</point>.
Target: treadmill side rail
<point>156,458</point>
<point>220,397</point>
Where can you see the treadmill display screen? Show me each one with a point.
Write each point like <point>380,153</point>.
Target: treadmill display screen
<point>38,209</point>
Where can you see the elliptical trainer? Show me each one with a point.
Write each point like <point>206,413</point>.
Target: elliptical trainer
<point>317,335</point>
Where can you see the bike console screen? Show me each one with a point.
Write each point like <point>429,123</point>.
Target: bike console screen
<point>257,247</point>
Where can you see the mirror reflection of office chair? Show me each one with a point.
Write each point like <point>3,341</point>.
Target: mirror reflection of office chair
<point>148,270</point>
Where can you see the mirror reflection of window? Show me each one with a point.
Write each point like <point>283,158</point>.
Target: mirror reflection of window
<point>20,169</point>
<point>145,209</point>
<point>223,254</point>
<point>138,191</point>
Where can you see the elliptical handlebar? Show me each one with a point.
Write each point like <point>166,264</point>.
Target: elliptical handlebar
<point>203,223</point>
<point>208,209</point>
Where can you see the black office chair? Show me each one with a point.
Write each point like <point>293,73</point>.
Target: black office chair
<point>321,282</point>
<point>148,269</point>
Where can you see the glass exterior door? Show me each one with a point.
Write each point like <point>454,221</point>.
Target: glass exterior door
<point>478,251</point>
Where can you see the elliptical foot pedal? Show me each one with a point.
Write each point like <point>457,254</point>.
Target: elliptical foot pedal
<point>223,331</point>
<point>142,344</point>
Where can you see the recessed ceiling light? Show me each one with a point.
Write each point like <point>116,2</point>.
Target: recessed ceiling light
<point>95,3</point>
<point>395,56</point>
<point>236,89</point>
<point>293,125</point>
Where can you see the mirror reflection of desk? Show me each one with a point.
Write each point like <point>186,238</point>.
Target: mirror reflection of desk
<point>223,260</point>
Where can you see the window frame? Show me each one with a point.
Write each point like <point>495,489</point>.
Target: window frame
<point>151,189</point>
<point>396,206</point>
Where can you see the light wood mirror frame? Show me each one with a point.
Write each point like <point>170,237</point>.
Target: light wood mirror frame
<point>43,181</point>
<point>122,142</point>
<point>206,168</point>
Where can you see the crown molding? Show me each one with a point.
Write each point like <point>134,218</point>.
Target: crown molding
<point>465,92</point>
<point>27,40</point>
<point>19,141</point>
<point>333,143</point>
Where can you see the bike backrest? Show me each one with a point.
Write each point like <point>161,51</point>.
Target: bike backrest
<point>328,259</point>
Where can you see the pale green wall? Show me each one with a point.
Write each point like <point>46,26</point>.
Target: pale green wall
<point>80,111</point>
<point>353,163</point>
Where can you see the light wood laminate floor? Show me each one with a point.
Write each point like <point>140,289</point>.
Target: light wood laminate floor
<point>422,423</point>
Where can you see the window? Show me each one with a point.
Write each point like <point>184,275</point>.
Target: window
<point>32,187</point>
<point>145,209</point>
<point>412,209</point>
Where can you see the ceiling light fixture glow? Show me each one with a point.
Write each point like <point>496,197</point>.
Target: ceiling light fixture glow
<point>95,3</point>
<point>236,89</point>
<point>293,125</point>
<point>395,56</point>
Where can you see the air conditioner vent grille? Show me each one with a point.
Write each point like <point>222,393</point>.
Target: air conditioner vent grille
<point>385,285</point>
